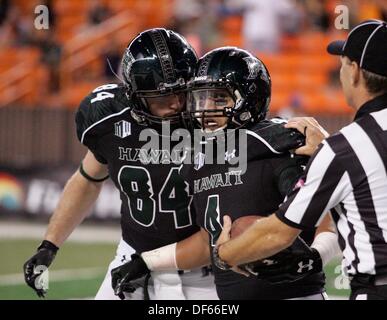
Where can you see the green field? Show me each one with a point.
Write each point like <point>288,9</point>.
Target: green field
<point>78,270</point>
<point>75,258</point>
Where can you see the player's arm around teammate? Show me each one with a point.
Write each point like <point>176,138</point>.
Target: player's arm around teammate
<point>190,253</point>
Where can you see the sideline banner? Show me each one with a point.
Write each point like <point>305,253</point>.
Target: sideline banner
<point>36,192</point>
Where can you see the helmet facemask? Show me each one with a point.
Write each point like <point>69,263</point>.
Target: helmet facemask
<point>210,107</point>
<point>160,108</point>
<point>215,105</point>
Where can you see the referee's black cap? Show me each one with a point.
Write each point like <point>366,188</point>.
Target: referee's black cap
<point>366,44</point>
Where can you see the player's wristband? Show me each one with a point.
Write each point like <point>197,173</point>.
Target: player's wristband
<point>327,246</point>
<point>83,173</point>
<point>161,259</point>
<point>48,245</point>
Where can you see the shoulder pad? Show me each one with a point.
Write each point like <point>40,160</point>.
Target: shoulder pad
<point>275,136</point>
<point>101,104</point>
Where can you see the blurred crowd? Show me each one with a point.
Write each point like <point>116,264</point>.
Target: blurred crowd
<point>262,25</point>
<point>17,30</point>
<point>264,22</point>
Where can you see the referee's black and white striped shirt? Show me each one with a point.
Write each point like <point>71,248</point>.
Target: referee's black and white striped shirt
<point>348,174</point>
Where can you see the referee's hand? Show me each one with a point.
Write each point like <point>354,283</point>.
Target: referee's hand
<point>313,132</point>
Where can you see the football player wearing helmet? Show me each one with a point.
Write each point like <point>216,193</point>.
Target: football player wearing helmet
<point>156,207</point>
<point>230,93</point>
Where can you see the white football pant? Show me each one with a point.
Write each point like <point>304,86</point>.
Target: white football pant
<point>191,285</point>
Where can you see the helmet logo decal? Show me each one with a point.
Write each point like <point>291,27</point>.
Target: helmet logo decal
<point>253,66</point>
<point>252,88</point>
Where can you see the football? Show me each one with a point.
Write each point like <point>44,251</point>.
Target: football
<point>241,224</point>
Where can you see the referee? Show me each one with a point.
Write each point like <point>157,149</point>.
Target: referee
<point>347,174</point>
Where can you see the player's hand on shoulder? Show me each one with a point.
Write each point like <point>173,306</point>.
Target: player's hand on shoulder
<point>37,265</point>
<point>313,132</point>
<point>277,137</point>
<point>123,276</point>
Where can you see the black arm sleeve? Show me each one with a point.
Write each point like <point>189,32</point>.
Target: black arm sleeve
<point>287,171</point>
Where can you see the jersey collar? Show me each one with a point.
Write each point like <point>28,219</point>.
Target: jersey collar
<point>376,104</point>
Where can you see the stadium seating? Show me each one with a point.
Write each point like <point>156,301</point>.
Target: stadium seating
<point>302,68</point>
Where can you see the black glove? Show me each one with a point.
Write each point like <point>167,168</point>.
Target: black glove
<point>291,264</point>
<point>35,266</point>
<point>124,274</point>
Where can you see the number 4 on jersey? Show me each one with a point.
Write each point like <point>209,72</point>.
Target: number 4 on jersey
<point>174,198</point>
<point>212,219</point>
